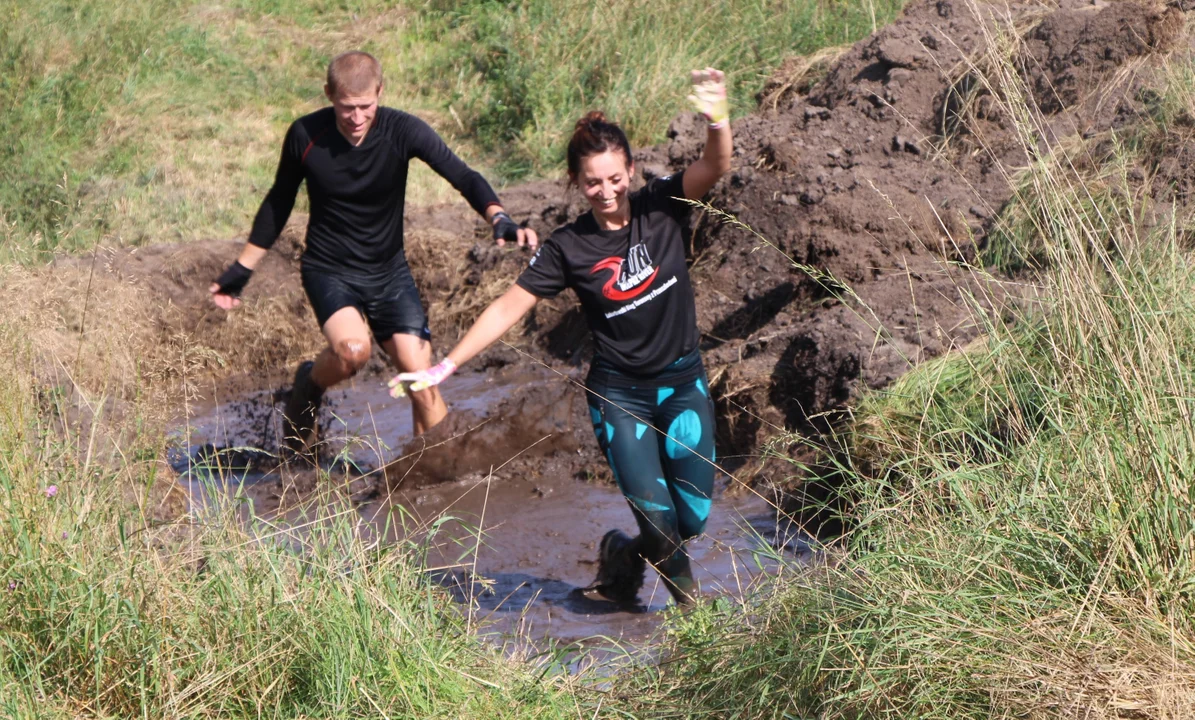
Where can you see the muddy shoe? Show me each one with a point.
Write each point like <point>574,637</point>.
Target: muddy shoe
<point>302,407</point>
<point>683,591</point>
<point>620,569</point>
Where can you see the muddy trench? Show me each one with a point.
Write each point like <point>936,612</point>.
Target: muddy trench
<point>886,176</point>
<point>506,501</point>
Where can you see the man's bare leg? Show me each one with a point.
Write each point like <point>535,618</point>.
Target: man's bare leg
<point>347,351</point>
<point>410,353</point>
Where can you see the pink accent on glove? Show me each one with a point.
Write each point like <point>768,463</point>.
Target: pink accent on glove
<point>421,379</point>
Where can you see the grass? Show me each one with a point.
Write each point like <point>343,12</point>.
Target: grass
<point>154,120</point>
<point>105,613</point>
<point>538,63</point>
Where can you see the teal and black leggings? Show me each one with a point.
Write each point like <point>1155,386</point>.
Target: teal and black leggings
<point>665,473</point>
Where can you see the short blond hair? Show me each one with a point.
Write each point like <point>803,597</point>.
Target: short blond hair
<point>354,73</point>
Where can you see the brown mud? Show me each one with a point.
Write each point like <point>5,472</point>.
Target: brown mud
<point>875,187</point>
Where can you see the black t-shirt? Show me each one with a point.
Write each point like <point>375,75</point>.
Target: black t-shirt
<point>633,282</point>
<point>357,192</point>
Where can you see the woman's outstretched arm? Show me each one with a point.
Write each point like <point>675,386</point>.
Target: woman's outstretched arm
<point>499,317</point>
<point>709,98</point>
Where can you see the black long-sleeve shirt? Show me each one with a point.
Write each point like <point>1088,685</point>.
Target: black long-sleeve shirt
<point>357,193</point>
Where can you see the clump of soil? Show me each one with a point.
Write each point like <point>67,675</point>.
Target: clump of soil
<point>1071,54</point>
<point>872,187</point>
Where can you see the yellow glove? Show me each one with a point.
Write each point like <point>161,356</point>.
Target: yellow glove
<point>421,379</point>
<point>709,96</point>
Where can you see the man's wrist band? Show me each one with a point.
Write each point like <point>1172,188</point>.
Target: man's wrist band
<point>233,280</point>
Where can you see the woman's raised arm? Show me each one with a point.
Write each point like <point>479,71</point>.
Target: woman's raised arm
<point>709,99</point>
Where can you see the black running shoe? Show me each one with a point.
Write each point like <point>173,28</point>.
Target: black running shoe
<point>620,569</point>
<point>683,590</point>
<point>302,408</point>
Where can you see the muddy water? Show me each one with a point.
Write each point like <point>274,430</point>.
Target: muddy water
<point>521,550</point>
<point>514,545</point>
<point>360,425</point>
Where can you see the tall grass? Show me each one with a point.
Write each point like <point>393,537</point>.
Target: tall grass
<point>105,613</point>
<point>154,120</point>
<point>1021,542</point>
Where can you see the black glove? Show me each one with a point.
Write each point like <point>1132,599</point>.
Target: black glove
<point>505,228</point>
<point>233,280</point>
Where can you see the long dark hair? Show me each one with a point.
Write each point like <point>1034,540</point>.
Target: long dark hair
<point>594,135</point>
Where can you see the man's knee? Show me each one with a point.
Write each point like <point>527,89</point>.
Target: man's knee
<point>353,354</point>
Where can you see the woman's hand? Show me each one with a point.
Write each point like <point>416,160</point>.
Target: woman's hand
<point>421,379</point>
<point>499,317</point>
<point>709,98</point>
<point>709,95</point>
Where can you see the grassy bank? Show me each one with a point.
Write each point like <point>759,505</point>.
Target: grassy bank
<point>1020,542</point>
<point>105,613</point>
<point>116,603</point>
<point>156,120</point>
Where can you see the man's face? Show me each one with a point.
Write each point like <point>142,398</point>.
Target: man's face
<point>354,113</point>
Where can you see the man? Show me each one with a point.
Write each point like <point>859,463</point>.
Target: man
<point>354,156</point>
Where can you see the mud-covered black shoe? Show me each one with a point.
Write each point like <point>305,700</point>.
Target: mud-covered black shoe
<point>683,590</point>
<point>302,408</point>
<point>620,569</point>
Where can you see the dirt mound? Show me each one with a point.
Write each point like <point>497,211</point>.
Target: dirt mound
<point>870,189</point>
<point>1071,53</point>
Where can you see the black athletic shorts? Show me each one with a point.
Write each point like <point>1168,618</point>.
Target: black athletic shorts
<point>389,303</point>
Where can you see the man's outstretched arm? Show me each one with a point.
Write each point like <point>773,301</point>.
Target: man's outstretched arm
<point>429,147</point>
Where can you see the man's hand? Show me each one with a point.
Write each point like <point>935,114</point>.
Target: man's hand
<point>226,290</point>
<point>507,229</point>
<point>421,379</point>
<point>709,95</point>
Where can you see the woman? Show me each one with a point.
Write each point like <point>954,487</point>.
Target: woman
<point>648,394</point>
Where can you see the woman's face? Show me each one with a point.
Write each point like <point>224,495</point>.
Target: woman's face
<point>604,179</point>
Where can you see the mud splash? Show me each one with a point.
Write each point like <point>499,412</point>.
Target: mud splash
<point>361,428</point>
